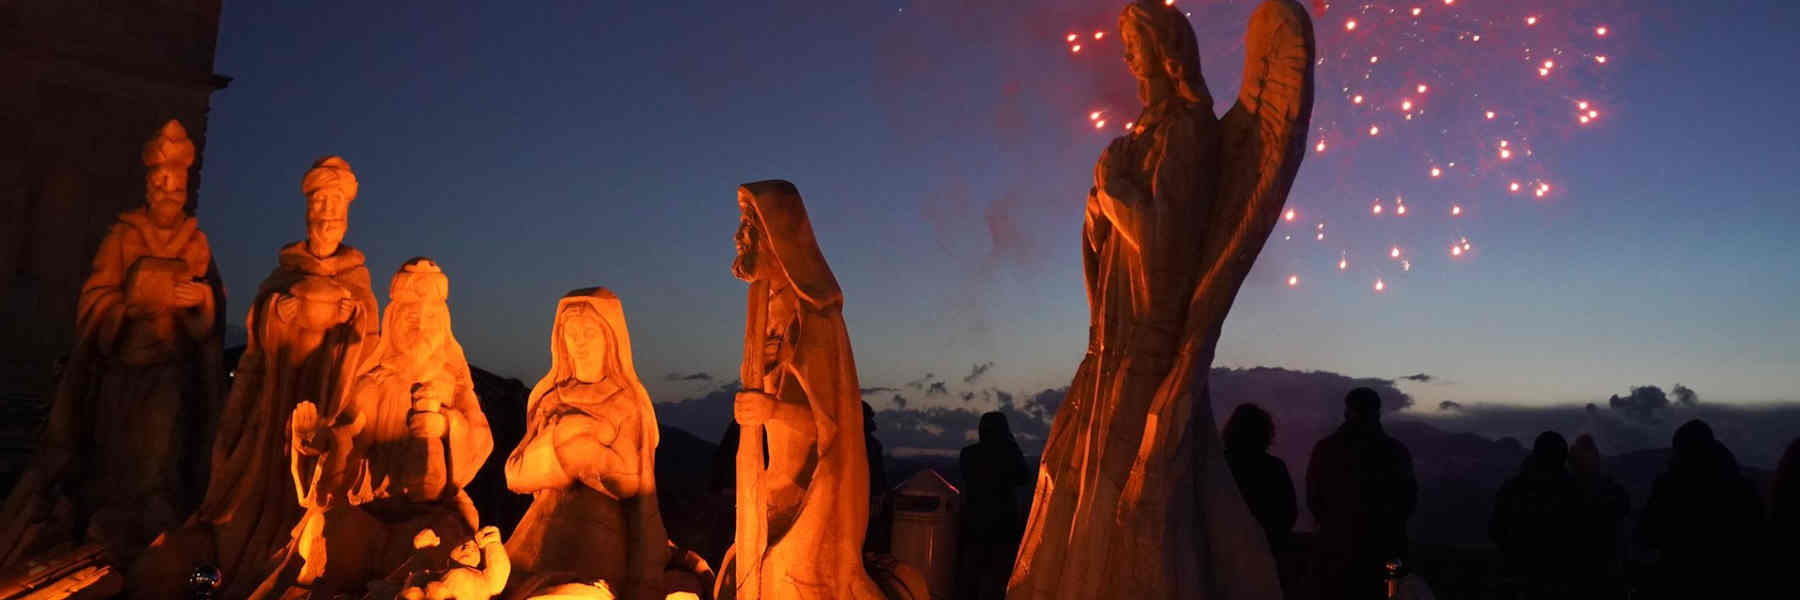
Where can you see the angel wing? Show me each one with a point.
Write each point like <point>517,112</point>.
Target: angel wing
<point>1263,142</point>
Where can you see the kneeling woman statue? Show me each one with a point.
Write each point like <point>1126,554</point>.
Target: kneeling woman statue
<point>588,460</point>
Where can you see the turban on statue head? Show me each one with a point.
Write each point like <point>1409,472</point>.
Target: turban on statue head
<point>170,148</point>
<point>419,280</point>
<point>330,171</point>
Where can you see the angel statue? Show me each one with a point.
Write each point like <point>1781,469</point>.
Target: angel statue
<point>1133,498</point>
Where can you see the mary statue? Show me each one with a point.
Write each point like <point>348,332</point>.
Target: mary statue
<point>588,459</point>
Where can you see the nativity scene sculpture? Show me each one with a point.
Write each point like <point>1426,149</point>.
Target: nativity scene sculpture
<point>312,324</point>
<point>390,457</point>
<point>1133,498</point>
<point>588,460</point>
<point>801,519</point>
<point>124,452</point>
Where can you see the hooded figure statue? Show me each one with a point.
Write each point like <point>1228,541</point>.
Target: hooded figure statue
<point>588,459</point>
<point>811,502</point>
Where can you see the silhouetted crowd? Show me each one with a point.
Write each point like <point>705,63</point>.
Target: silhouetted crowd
<point>1559,524</point>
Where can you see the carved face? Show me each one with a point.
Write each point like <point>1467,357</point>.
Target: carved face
<point>749,242</point>
<point>1140,54</point>
<point>165,191</point>
<point>422,326</point>
<point>585,338</point>
<point>327,219</point>
<point>467,554</point>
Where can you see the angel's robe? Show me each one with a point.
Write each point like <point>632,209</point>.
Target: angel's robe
<point>1134,498</point>
<point>125,446</point>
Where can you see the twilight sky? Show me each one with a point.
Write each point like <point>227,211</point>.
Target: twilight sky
<point>944,149</point>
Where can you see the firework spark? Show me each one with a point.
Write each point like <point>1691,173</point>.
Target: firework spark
<point>1482,93</point>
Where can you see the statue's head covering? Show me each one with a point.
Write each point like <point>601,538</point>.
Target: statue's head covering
<point>787,234</point>
<point>1166,29</point>
<point>420,279</point>
<point>170,148</point>
<point>327,172</point>
<point>605,306</point>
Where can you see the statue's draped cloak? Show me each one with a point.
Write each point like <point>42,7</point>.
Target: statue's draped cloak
<point>129,420</point>
<point>578,532</point>
<point>1134,498</point>
<point>820,554</point>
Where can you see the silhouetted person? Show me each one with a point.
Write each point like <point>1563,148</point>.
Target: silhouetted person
<point>1605,502</point>
<point>1262,478</point>
<point>1702,522</point>
<point>992,522</point>
<point>879,538</point>
<point>1361,490</point>
<point>1537,515</point>
<point>1784,508</point>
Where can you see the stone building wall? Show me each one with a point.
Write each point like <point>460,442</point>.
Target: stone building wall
<point>83,84</point>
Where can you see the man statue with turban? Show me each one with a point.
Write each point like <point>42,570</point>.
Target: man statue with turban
<point>125,447</point>
<point>391,456</point>
<point>292,356</point>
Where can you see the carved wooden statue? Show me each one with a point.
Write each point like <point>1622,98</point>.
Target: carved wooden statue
<point>391,457</point>
<point>588,460</point>
<point>124,452</point>
<point>1134,499</point>
<point>313,323</point>
<point>801,520</point>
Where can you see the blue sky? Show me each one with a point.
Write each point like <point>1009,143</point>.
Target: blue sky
<point>943,149</point>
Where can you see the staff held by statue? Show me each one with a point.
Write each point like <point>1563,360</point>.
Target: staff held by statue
<point>752,533</point>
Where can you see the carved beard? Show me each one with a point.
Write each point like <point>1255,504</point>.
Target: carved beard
<point>744,266</point>
<point>165,206</point>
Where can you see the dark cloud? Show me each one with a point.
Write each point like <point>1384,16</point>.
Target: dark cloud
<point>1419,377</point>
<point>920,383</point>
<point>1449,405</point>
<point>1685,396</point>
<point>688,377</point>
<point>876,390</point>
<point>1641,404</point>
<point>937,388</point>
<point>1756,434</point>
<point>980,369</point>
<point>705,415</point>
